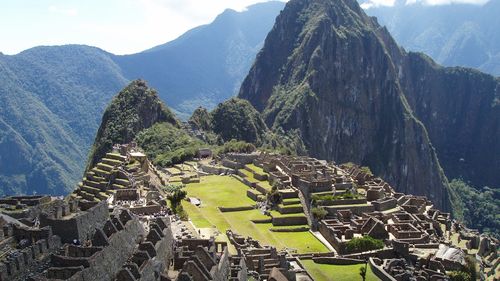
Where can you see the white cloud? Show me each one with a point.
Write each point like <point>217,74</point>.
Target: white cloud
<point>377,3</point>
<point>446,2</point>
<point>63,11</point>
<point>172,17</point>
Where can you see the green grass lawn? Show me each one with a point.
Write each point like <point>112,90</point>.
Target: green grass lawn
<point>256,169</point>
<point>249,176</point>
<point>266,185</point>
<point>215,191</point>
<point>326,272</point>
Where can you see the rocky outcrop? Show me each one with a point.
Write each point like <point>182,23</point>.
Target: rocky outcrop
<point>330,71</point>
<point>238,119</point>
<point>461,110</point>
<point>135,108</point>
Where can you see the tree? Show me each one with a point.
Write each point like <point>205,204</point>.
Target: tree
<point>362,272</point>
<point>274,195</point>
<point>175,197</point>
<point>363,244</point>
<point>319,213</point>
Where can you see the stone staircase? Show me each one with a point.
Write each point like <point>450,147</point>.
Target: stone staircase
<point>289,216</point>
<point>107,176</point>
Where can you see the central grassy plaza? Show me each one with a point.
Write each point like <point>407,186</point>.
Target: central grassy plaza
<point>225,191</point>
<point>327,272</point>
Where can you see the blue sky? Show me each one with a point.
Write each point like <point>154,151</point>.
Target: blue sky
<point>117,26</point>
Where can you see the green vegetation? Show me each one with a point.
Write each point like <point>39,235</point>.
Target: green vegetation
<point>52,100</point>
<point>201,119</point>
<point>362,244</point>
<point>175,199</point>
<point>324,272</point>
<point>238,119</point>
<point>256,169</point>
<point>362,272</point>
<point>480,208</point>
<point>217,191</point>
<point>135,108</point>
<point>459,276</point>
<point>468,274</point>
<point>366,170</point>
<point>237,146</point>
<point>273,195</point>
<point>331,197</point>
<point>319,213</point>
<point>167,145</point>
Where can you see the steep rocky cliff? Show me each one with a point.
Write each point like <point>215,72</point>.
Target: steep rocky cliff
<point>461,110</point>
<point>135,108</point>
<point>330,71</point>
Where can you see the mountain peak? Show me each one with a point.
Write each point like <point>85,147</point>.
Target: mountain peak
<point>329,71</point>
<point>135,108</point>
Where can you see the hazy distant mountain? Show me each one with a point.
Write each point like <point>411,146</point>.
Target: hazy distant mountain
<point>52,98</point>
<point>51,102</point>
<point>206,65</point>
<point>453,35</point>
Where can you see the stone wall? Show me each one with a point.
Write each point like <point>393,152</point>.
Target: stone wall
<point>220,272</point>
<point>215,170</point>
<point>379,271</point>
<point>80,225</point>
<point>359,210</point>
<point>153,255</point>
<point>384,204</point>
<point>26,261</point>
<point>127,194</point>
<point>242,158</point>
<point>337,260</point>
<point>146,210</point>
<point>231,164</point>
<point>104,264</point>
<point>284,221</point>
<point>343,202</point>
<point>236,209</point>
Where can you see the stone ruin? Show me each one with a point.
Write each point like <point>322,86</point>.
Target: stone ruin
<point>266,263</point>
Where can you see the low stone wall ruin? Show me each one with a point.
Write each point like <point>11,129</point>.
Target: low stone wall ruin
<point>236,209</point>
<point>284,221</point>
<point>379,271</point>
<point>78,226</point>
<point>337,260</point>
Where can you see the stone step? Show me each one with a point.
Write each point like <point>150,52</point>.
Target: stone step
<point>90,189</point>
<point>116,156</point>
<point>287,220</point>
<point>111,162</point>
<point>104,167</point>
<point>118,186</point>
<point>101,173</point>
<point>124,182</point>
<point>85,195</point>
<point>93,177</point>
<point>290,209</point>
<point>93,184</point>
<point>110,192</point>
<point>288,193</point>
<point>102,196</point>
<point>291,201</point>
<point>293,228</point>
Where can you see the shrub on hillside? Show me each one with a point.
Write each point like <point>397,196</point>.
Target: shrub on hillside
<point>319,213</point>
<point>237,147</point>
<point>363,244</point>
